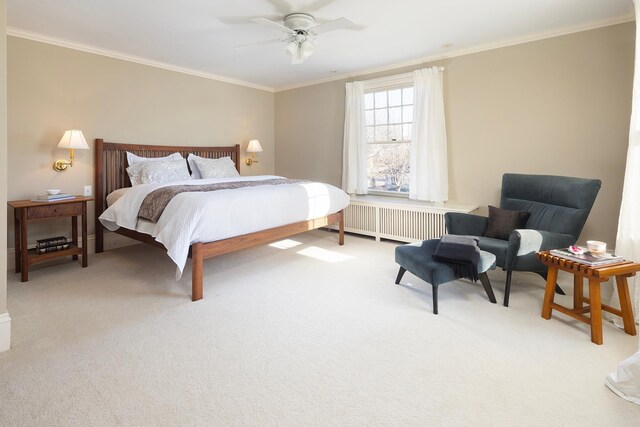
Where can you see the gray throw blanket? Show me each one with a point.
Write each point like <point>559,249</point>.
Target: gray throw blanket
<point>155,202</point>
<point>461,253</point>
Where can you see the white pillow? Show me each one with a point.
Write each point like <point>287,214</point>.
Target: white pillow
<point>158,172</point>
<point>195,173</point>
<point>133,159</point>
<point>223,167</point>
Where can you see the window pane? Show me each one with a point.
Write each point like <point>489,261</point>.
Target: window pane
<point>395,97</point>
<point>406,132</point>
<point>388,167</point>
<point>370,134</point>
<point>407,114</point>
<point>381,117</point>
<point>395,132</point>
<point>382,133</point>
<point>368,101</point>
<point>395,115</point>
<point>368,118</point>
<point>407,96</point>
<point>381,99</point>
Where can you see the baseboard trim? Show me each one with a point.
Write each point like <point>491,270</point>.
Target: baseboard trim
<point>111,241</point>
<point>5,332</point>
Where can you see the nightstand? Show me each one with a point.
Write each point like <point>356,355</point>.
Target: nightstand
<point>26,211</point>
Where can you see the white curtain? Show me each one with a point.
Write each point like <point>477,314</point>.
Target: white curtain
<point>626,380</point>
<point>428,174</point>
<point>354,156</point>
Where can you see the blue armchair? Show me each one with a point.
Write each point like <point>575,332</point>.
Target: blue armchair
<point>558,207</point>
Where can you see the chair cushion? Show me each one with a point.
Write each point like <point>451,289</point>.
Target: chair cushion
<point>417,258</point>
<point>497,247</point>
<point>503,221</point>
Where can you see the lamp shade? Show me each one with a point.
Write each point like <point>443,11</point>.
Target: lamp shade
<point>254,146</point>
<point>73,139</point>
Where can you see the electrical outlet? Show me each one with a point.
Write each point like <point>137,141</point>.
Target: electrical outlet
<point>87,190</point>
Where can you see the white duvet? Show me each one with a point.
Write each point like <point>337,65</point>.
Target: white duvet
<point>209,216</point>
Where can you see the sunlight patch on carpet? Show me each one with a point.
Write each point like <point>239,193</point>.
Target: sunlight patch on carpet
<point>324,254</point>
<point>285,244</point>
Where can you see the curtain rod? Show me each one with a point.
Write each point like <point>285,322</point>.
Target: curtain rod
<point>407,75</point>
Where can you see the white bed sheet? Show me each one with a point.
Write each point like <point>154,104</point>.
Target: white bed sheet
<point>210,216</point>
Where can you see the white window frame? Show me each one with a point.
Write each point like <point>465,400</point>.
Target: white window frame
<point>388,83</point>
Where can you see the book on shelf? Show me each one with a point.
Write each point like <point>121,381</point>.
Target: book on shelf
<point>51,241</point>
<point>52,197</point>
<point>48,249</point>
<point>589,258</point>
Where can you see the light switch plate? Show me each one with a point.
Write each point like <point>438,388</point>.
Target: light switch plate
<point>87,190</point>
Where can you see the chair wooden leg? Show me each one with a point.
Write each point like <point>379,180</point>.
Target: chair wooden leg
<point>486,284</point>
<point>507,288</point>
<point>400,274</point>
<point>435,298</point>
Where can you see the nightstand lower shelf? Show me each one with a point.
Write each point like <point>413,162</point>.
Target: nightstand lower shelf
<point>35,258</point>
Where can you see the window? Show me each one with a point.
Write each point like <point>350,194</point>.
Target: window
<point>388,120</point>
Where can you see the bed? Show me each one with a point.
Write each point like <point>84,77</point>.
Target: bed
<point>110,175</point>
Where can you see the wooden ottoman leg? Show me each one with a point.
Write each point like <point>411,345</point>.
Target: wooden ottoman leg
<point>435,298</point>
<point>486,284</point>
<point>625,305</point>
<point>596,311</point>
<point>552,276</point>
<point>577,292</point>
<point>400,274</point>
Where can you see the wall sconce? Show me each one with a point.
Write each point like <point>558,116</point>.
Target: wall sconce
<point>72,139</point>
<point>253,147</point>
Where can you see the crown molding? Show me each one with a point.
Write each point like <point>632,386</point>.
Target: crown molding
<point>467,51</point>
<point>29,35</point>
<point>16,32</point>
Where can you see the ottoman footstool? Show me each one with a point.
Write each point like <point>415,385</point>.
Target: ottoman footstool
<point>417,258</point>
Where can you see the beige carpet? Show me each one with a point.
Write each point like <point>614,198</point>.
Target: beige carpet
<point>313,334</point>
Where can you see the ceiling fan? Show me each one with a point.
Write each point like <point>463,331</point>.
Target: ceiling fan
<point>300,33</point>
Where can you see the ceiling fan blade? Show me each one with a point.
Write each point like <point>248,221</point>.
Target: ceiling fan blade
<point>260,43</point>
<point>332,25</point>
<point>274,24</point>
<point>282,6</point>
<point>318,4</point>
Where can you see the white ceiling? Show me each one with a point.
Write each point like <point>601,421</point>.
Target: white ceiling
<point>201,35</point>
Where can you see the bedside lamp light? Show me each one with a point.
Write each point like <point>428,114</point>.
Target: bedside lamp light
<point>253,147</point>
<point>72,139</point>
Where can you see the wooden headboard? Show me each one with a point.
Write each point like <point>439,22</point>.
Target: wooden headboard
<point>110,167</point>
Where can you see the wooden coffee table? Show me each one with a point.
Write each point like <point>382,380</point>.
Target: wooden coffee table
<point>595,275</point>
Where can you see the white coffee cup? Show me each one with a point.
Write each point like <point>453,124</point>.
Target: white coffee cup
<point>596,246</point>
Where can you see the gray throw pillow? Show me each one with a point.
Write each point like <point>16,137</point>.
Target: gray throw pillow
<point>502,222</point>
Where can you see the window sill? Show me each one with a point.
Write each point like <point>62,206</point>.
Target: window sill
<point>405,201</point>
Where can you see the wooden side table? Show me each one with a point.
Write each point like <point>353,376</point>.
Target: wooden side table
<point>26,211</point>
<point>595,275</point>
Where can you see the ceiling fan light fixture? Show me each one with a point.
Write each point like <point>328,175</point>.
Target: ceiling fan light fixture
<point>292,49</point>
<point>301,30</point>
<point>306,49</point>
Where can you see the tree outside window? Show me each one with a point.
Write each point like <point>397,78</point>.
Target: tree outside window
<point>388,120</point>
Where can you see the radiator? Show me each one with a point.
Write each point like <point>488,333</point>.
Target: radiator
<point>398,219</point>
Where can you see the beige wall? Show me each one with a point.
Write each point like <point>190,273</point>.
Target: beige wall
<point>559,106</point>
<point>3,155</point>
<point>52,89</point>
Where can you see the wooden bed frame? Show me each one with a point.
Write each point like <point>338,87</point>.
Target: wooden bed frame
<point>111,174</point>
